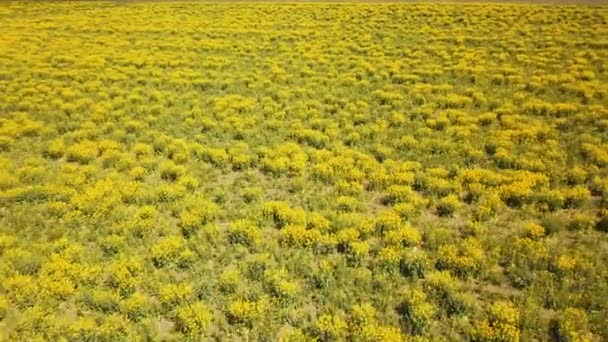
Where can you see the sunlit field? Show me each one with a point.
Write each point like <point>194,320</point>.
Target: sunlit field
<point>303,172</point>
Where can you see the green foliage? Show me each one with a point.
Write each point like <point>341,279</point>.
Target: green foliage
<point>103,300</point>
<point>414,263</point>
<point>417,312</point>
<point>602,223</point>
<point>572,325</point>
<point>445,291</point>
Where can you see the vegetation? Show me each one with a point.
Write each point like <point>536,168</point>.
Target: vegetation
<point>297,172</point>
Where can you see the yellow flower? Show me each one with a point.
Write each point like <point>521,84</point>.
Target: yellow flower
<point>193,319</point>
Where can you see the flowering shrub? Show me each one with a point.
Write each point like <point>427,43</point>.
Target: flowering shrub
<point>414,263</point>
<point>170,171</point>
<point>280,284</point>
<point>136,306</point>
<point>501,325</point>
<point>172,294</point>
<point>417,311</point>
<point>244,311</point>
<point>197,212</point>
<point>296,235</point>
<point>405,236</point>
<point>282,214</point>
<point>123,274</point>
<point>244,232</point>
<point>55,149</point>
<point>448,205</point>
<point>463,260</point>
<point>83,152</point>
<point>171,250</point>
<point>445,290</point>
<point>573,325</point>
<point>332,327</point>
<point>193,319</point>
<point>399,194</point>
<point>4,306</point>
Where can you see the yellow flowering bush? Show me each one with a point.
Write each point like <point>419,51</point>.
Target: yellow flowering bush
<point>399,194</point>
<point>332,327</point>
<point>170,171</point>
<point>448,205</point>
<point>414,263</point>
<point>83,152</point>
<point>445,290</point>
<point>103,300</point>
<point>4,307</point>
<point>280,284</point>
<point>245,311</point>
<point>294,235</point>
<point>123,274</point>
<point>136,306</point>
<point>463,260</point>
<point>171,250</point>
<point>282,214</point>
<point>417,311</point>
<point>502,324</point>
<point>171,294</point>
<point>346,203</point>
<point>534,231</point>
<point>244,232</point>
<point>55,149</point>
<point>193,319</point>
<point>198,212</point>
<point>405,236</point>
<point>573,325</point>
<point>388,221</point>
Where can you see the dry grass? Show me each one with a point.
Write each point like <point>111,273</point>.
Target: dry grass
<point>539,2</point>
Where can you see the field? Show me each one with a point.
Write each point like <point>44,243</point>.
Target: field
<point>301,172</point>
